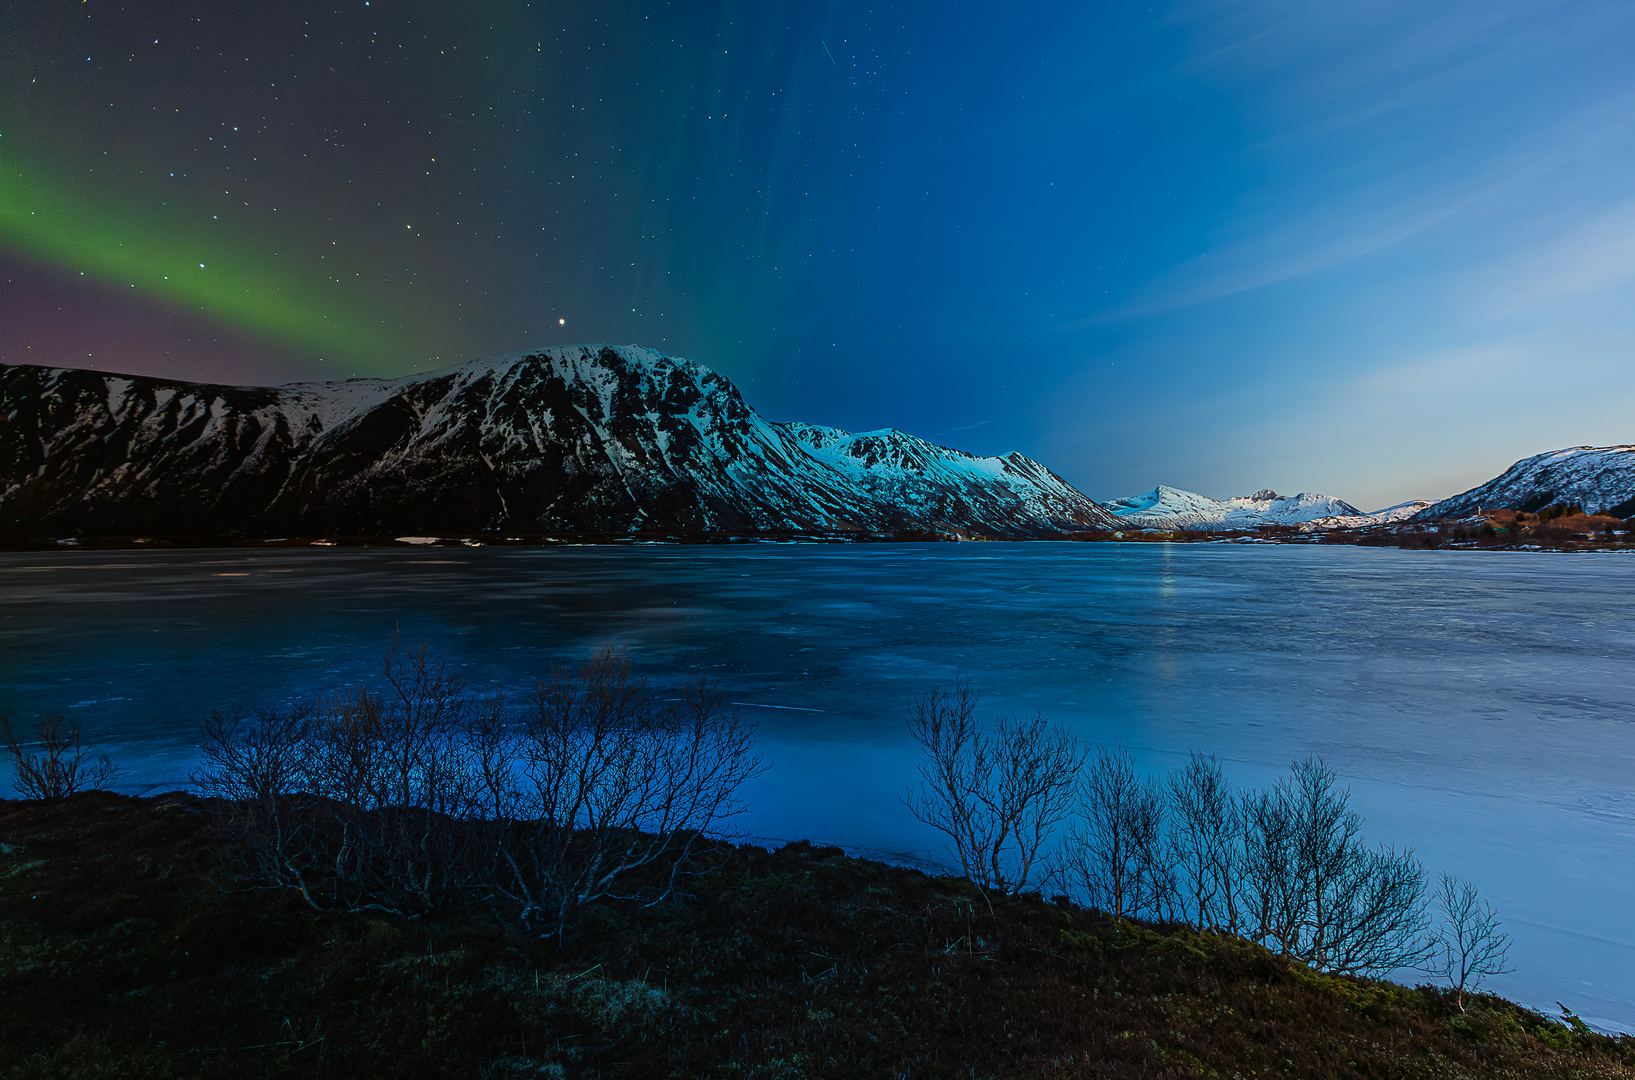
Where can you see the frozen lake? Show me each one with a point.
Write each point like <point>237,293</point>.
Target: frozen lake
<point>1479,705</point>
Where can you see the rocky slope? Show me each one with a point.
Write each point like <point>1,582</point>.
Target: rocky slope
<point>1601,479</point>
<point>1171,508</point>
<point>570,439</point>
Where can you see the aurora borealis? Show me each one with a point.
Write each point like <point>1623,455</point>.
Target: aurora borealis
<point>1217,245</point>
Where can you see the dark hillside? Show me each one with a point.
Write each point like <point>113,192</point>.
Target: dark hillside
<point>121,958</point>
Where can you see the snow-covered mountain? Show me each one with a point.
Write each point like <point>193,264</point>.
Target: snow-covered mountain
<point>1390,515</point>
<point>1601,479</point>
<point>1400,512</point>
<point>567,439</point>
<point>1171,508</point>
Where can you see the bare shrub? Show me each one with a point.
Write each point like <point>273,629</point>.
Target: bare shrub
<point>62,765</point>
<point>1283,866</point>
<point>1469,946</point>
<point>1207,840</point>
<point>1315,893</point>
<point>359,800</point>
<point>254,756</point>
<point>1270,892</point>
<point>997,791</point>
<point>397,792</point>
<point>1375,920</point>
<point>421,794</point>
<point>613,781</point>
<point>257,762</point>
<point>1116,854</point>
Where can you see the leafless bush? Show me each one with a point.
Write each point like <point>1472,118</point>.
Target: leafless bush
<point>1207,839</point>
<point>1283,866</point>
<point>420,794</point>
<point>997,791</point>
<point>1374,920</point>
<point>257,763</point>
<point>1117,853</point>
<point>362,799</point>
<point>1269,869</point>
<point>392,771</point>
<point>62,765</point>
<point>1469,946</point>
<point>613,781</point>
<point>1308,839</point>
<point>1315,893</point>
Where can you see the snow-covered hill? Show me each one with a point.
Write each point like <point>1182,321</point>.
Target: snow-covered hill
<point>1171,508</point>
<point>1390,515</point>
<point>904,470</point>
<point>1601,479</point>
<point>568,439</point>
<point>1400,512</point>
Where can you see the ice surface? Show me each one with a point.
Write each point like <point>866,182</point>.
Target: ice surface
<point>1478,704</point>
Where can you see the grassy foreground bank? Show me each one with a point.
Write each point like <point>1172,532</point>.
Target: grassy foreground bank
<point>120,957</point>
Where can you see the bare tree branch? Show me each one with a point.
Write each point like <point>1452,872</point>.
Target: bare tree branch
<point>1208,842</point>
<point>1469,946</point>
<point>1117,854</point>
<point>62,765</point>
<point>421,794</point>
<point>997,792</point>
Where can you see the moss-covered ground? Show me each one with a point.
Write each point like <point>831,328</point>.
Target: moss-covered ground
<point>122,956</point>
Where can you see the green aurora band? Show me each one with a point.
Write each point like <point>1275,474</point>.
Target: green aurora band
<point>172,256</point>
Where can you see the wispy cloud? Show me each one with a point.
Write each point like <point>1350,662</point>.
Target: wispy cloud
<point>1323,237</point>
<point>1363,130</point>
<point>1333,232</point>
<point>1596,255</point>
<point>963,427</point>
<point>1434,381</point>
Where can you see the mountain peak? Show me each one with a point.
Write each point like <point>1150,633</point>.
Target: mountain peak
<point>580,438</point>
<point>1172,508</point>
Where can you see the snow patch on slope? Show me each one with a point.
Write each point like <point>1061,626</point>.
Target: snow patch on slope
<point>1390,515</point>
<point>894,464</point>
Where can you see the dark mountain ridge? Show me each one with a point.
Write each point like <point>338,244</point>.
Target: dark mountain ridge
<point>569,439</point>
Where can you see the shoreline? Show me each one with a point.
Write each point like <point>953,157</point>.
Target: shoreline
<point>1384,537</point>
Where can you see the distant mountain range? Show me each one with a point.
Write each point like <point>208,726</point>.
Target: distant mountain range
<point>1171,508</point>
<point>589,439</point>
<point>1600,479</point>
<point>582,439</point>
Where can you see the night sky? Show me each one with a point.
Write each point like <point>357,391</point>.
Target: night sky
<point>1378,250</point>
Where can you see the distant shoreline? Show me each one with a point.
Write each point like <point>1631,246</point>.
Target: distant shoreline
<point>1423,538</point>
